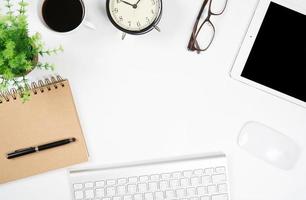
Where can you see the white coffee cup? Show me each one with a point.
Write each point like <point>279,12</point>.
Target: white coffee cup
<point>84,21</point>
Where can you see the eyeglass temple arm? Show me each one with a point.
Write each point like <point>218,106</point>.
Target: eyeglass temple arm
<point>202,9</point>
<point>192,40</point>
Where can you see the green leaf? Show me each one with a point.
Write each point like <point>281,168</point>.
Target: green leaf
<point>25,95</point>
<point>8,52</point>
<point>3,86</point>
<point>18,61</point>
<point>8,75</point>
<point>1,61</point>
<point>28,66</point>
<point>23,4</point>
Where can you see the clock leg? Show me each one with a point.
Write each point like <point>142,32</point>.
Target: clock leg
<point>123,36</point>
<point>157,28</point>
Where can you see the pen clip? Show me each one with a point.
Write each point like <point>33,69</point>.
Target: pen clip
<point>20,150</point>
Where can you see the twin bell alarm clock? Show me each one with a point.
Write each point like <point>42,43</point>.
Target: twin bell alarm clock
<point>134,16</point>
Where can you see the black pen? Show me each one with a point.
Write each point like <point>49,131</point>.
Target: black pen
<point>29,150</point>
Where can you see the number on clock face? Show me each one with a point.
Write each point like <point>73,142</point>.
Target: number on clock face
<point>134,15</point>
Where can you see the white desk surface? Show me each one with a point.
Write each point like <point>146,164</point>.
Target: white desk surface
<point>148,97</point>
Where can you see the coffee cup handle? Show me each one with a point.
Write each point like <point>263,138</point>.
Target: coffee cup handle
<point>89,24</point>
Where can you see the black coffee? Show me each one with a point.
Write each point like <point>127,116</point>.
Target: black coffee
<point>63,15</point>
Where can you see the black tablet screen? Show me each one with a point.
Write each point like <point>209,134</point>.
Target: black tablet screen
<point>278,57</point>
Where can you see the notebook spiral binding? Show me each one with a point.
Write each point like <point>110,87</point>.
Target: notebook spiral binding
<point>40,86</point>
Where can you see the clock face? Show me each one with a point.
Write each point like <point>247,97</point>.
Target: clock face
<point>134,16</point>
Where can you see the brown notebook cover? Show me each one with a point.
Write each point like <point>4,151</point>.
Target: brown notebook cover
<point>50,115</point>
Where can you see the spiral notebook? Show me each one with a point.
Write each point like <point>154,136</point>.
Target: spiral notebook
<point>49,115</point>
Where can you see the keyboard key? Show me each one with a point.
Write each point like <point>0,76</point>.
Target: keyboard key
<point>180,193</point>
<point>121,190</point>
<point>138,197</point>
<point>220,170</point>
<point>89,185</point>
<point>100,192</point>
<point>166,176</point>
<point>222,188</point>
<point>187,173</point>
<point>174,184</point>
<point>133,179</point>
<point>89,194</point>
<point>218,178</point>
<point>163,185</point>
<point>159,195</point>
<point>111,182</point>
<point>149,196</point>
<point>78,186</point>
<point>106,198</point>
<point>154,177</point>
<point>116,198</point>
<point>219,197</point>
<point>131,189</point>
<point>122,181</point>
<point>202,190</point>
<point>110,191</point>
<point>142,187</point>
<point>170,194</point>
<point>212,189</point>
<point>194,198</point>
<point>191,191</point>
<point>205,198</point>
<point>127,197</point>
<point>206,180</point>
<point>100,184</point>
<point>176,175</point>
<point>198,172</point>
<point>195,181</point>
<point>79,195</point>
<point>209,171</point>
<point>143,178</point>
<point>153,186</point>
<point>185,182</point>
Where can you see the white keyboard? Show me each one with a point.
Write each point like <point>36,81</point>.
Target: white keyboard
<point>188,178</point>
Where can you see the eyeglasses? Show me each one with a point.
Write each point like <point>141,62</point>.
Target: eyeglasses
<point>203,35</point>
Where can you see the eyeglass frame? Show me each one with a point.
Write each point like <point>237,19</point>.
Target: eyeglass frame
<point>193,43</point>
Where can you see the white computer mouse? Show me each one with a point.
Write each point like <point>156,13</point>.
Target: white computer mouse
<point>269,145</point>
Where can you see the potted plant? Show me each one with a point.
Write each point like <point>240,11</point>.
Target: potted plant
<point>19,52</point>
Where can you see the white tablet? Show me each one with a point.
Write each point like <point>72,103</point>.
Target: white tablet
<point>273,54</point>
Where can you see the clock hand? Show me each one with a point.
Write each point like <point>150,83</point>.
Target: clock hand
<point>137,2</point>
<point>127,3</point>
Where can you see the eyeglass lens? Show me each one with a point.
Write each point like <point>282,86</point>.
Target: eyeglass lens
<point>205,35</point>
<point>217,7</point>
